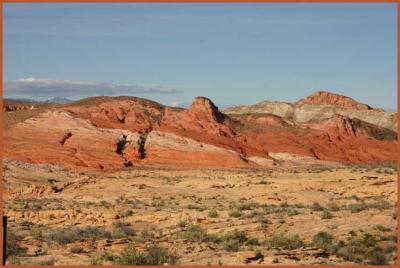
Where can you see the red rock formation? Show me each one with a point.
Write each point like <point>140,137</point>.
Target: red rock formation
<point>116,132</point>
<point>11,105</point>
<point>324,97</point>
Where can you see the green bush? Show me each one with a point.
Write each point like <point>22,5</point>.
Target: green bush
<point>286,242</point>
<point>153,256</point>
<point>323,240</point>
<point>213,213</point>
<point>382,228</point>
<point>77,250</point>
<point>369,240</point>
<point>380,204</point>
<point>292,212</point>
<point>65,236</point>
<point>13,248</point>
<point>232,241</point>
<point>317,207</point>
<point>235,213</point>
<point>357,207</point>
<point>195,234</point>
<point>326,214</point>
<point>332,206</point>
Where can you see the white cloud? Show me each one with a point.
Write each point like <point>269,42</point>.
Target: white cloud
<point>175,104</point>
<point>42,88</point>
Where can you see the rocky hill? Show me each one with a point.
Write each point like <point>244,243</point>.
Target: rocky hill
<point>318,107</point>
<point>117,132</point>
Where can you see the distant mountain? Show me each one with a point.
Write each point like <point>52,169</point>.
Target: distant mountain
<point>58,100</point>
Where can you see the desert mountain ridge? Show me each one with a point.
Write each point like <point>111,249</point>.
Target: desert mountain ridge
<point>117,132</point>
<point>329,98</point>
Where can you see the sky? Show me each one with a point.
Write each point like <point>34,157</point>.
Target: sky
<point>234,54</point>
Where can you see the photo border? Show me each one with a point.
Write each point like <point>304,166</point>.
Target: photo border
<point>204,1</point>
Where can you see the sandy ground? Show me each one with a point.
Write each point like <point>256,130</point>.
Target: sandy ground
<point>201,217</point>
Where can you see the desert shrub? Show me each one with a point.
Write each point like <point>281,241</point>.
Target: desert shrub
<point>299,205</point>
<point>284,205</point>
<point>380,204</point>
<point>235,213</point>
<point>332,206</point>
<point>323,240</point>
<point>292,212</point>
<point>317,207</point>
<point>377,257</point>
<point>263,220</point>
<point>65,236</point>
<point>352,233</point>
<point>126,213</point>
<point>157,202</point>
<point>77,250</point>
<point>105,204</point>
<point>182,223</point>
<point>363,250</point>
<point>252,242</point>
<point>391,248</point>
<point>119,224</point>
<point>357,207</point>
<point>354,251</point>
<point>123,231</point>
<point>147,233</point>
<point>95,260</point>
<point>48,262</point>
<point>158,256</point>
<point>199,208</point>
<point>369,240</point>
<point>13,260</point>
<point>213,213</point>
<point>195,234</point>
<point>13,248</point>
<point>243,205</point>
<point>153,256</point>
<point>394,215</point>
<point>326,214</point>
<point>382,228</point>
<point>232,241</point>
<point>286,242</point>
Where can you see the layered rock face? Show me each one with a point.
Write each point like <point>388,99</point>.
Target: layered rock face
<point>318,107</point>
<point>118,132</point>
<point>327,98</point>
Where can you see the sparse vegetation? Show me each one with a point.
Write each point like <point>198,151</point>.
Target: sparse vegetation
<point>323,240</point>
<point>65,236</point>
<point>286,242</point>
<point>317,207</point>
<point>213,213</point>
<point>206,225</point>
<point>326,214</point>
<point>153,256</point>
<point>233,241</point>
<point>195,234</point>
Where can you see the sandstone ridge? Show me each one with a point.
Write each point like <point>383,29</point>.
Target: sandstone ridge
<point>119,132</point>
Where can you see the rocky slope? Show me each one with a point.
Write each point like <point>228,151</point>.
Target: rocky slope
<point>319,107</point>
<point>328,98</point>
<point>116,132</point>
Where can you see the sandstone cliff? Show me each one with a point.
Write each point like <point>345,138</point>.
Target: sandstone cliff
<point>118,132</point>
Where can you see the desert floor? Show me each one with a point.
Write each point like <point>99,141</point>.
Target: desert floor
<point>147,215</point>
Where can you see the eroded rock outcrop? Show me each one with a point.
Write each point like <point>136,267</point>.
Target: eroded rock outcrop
<point>117,132</point>
<point>328,98</point>
<point>318,107</point>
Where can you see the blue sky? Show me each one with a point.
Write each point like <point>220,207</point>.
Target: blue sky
<point>231,53</point>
